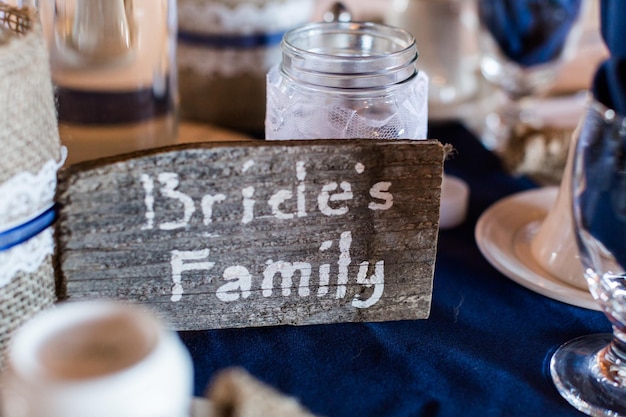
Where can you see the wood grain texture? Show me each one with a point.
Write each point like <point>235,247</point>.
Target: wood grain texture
<point>218,235</point>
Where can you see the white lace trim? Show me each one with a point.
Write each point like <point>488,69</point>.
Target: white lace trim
<point>26,257</point>
<point>25,195</point>
<point>244,18</point>
<point>226,63</point>
<point>293,113</point>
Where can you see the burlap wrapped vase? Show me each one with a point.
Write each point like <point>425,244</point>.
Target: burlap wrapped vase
<point>225,49</point>
<point>30,156</point>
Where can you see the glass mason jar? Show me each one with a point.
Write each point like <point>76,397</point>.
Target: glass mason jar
<point>113,69</point>
<point>347,80</point>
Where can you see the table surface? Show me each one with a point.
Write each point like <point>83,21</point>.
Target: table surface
<point>484,351</point>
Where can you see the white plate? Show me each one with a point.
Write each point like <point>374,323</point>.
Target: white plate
<point>503,234</point>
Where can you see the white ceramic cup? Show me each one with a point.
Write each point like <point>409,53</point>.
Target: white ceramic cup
<point>96,358</point>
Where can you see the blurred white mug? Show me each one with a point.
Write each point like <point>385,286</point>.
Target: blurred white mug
<point>96,358</point>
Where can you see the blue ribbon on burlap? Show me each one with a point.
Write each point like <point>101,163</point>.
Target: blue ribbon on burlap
<point>25,231</point>
<point>231,41</point>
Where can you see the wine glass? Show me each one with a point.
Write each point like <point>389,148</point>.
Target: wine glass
<point>523,44</point>
<point>590,372</point>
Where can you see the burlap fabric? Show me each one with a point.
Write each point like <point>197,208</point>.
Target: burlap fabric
<point>28,139</point>
<point>236,393</point>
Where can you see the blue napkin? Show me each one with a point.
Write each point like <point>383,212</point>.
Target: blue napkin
<point>609,84</point>
<point>529,32</point>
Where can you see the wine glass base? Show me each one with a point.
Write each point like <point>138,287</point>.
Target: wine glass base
<point>578,380</point>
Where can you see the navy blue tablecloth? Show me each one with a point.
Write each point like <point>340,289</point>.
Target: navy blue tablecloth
<point>484,351</point>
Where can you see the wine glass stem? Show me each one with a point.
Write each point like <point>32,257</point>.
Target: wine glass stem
<point>612,360</point>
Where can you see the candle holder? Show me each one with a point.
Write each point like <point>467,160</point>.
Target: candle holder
<point>347,80</point>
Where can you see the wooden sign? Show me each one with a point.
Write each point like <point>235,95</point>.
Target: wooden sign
<point>218,235</point>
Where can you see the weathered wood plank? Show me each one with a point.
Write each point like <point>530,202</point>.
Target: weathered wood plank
<point>214,235</point>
